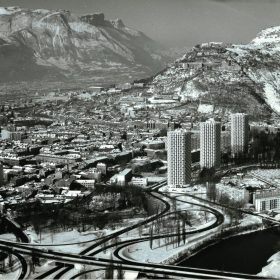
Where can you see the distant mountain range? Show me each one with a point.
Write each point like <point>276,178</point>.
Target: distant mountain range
<point>231,77</point>
<point>42,45</point>
<point>58,45</point>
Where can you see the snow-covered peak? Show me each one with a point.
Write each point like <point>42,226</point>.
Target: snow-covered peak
<point>268,36</point>
<point>9,10</point>
<point>118,23</point>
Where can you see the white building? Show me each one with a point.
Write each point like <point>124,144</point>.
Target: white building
<point>210,144</point>
<point>122,178</point>
<point>239,133</point>
<point>179,157</point>
<point>87,183</point>
<point>267,200</point>
<point>139,182</point>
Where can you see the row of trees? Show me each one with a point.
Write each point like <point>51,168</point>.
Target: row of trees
<point>112,272</point>
<point>174,235</point>
<point>231,206</point>
<point>264,147</point>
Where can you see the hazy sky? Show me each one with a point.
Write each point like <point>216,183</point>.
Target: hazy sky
<point>178,23</point>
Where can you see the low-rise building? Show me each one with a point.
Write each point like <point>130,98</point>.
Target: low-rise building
<point>234,189</point>
<point>265,200</point>
<point>59,159</point>
<point>139,182</point>
<point>89,184</point>
<point>122,178</point>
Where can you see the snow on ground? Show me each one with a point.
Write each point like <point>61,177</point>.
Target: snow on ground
<point>44,267</point>
<point>11,275</point>
<point>8,237</point>
<point>160,251</point>
<point>61,238</point>
<point>205,108</point>
<point>8,10</point>
<point>250,220</point>
<point>272,270</point>
<point>272,97</point>
<point>269,35</point>
<point>270,81</point>
<point>190,91</point>
<point>3,11</point>
<point>272,175</point>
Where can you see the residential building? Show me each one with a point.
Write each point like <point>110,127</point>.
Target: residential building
<point>139,182</point>
<point>179,157</point>
<point>265,200</point>
<point>239,133</point>
<point>210,144</point>
<point>86,183</point>
<point>122,178</point>
<point>233,190</point>
<point>102,167</point>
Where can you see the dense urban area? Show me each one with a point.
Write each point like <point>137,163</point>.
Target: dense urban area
<point>105,181</point>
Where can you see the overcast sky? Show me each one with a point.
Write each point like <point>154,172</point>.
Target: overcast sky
<point>178,23</point>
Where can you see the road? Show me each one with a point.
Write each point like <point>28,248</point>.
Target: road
<point>167,270</point>
<point>66,261</point>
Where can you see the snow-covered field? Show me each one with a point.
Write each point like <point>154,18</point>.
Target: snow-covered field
<point>272,269</point>
<point>8,237</point>
<point>11,275</point>
<point>272,175</point>
<point>61,238</point>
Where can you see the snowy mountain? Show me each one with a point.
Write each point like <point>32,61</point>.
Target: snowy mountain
<point>231,77</point>
<point>56,44</point>
<point>261,61</point>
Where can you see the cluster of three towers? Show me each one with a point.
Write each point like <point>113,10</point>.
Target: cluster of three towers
<point>179,147</point>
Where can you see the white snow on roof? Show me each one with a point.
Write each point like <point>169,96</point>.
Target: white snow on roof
<point>205,108</point>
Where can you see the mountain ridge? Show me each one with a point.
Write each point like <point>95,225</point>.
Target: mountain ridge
<point>88,46</point>
<point>232,77</point>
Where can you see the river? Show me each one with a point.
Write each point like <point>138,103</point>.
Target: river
<point>244,253</point>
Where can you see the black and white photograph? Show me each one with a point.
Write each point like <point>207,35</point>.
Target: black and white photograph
<point>139,139</point>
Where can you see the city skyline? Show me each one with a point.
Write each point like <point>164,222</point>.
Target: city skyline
<point>121,159</point>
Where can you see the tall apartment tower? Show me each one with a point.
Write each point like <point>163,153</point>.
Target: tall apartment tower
<point>179,157</point>
<point>239,133</point>
<point>210,144</point>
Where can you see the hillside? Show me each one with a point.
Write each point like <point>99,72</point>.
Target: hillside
<point>57,45</point>
<point>231,77</point>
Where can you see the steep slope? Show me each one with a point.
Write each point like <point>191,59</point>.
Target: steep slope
<point>231,77</point>
<point>86,46</point>
<point>261,61</point>
<point>210,74</point>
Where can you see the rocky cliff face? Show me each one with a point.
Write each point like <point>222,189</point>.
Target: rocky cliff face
<point>231,77</point>
<point>58,43</point>
<point>261,61</point>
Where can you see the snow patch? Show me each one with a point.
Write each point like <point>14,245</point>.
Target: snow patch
<point>205,108</point>
<point>5,11</point>
<point>190,91</point>
<point>269,35</point>
<point>272,270</point>
<point>272,97</point>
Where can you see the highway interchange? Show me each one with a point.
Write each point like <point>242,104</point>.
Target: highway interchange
<point>65,262</point>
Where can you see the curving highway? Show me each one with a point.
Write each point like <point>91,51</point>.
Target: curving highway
<point>65,261</point>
